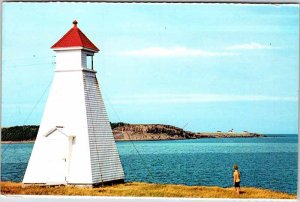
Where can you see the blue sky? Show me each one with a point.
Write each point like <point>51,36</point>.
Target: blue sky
<point>209,67</point>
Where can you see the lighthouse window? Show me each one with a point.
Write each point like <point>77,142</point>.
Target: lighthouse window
<point>89,62</point>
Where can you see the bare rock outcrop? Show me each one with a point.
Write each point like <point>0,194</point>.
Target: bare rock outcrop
<point>151,132</point>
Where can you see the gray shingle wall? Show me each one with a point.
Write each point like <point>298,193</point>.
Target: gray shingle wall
<point>105,160</point>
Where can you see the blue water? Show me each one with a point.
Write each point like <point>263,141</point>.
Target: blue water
<point>269,162</point>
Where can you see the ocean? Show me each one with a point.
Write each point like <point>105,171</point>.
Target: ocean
<point>269,162</point>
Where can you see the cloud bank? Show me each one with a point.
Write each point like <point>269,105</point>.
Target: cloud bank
<point>175,52</point>
<point>180,51</point>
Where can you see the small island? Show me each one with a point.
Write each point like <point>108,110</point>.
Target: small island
<point>127,132</point>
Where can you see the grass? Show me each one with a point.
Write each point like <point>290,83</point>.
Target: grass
<point>139,189</point>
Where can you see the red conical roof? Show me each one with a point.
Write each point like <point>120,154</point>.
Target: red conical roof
<point>75,37</point>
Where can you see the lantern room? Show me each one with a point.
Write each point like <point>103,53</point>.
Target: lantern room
<point>74,50</point>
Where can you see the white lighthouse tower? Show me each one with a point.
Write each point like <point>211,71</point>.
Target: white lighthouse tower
<point>75,144</point>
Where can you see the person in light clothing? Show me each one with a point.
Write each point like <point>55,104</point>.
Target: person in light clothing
<point>236,178</point>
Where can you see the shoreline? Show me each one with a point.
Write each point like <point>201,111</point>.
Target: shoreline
<point>18,142</point>
<point>123,140</point>
<point>202,136</point>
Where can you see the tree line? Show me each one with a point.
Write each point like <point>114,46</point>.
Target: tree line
<point>29,132</point>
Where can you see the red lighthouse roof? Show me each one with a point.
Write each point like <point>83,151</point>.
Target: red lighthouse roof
<point>74,38</point>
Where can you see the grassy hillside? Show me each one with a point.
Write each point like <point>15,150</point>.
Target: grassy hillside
<point>144,190</point>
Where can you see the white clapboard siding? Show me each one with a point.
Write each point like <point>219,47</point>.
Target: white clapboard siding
<point>105,161</point>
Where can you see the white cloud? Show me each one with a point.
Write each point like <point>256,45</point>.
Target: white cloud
<point>175,52</point>
<point>196,98</point>
<point>250,46</point>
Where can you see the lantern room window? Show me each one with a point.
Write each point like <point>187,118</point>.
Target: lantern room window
<point>89,62</point>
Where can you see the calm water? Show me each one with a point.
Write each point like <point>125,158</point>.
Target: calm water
<point>264,162</point>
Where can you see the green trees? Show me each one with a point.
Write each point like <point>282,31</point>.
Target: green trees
<point>29,132</point>
<point>19,133</point>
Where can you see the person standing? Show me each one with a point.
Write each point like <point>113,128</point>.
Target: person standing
<point>236,178</point>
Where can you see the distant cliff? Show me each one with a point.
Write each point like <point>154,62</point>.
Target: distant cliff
<point>167,132</point>
<point>125,131</point>
<point>151,132</point>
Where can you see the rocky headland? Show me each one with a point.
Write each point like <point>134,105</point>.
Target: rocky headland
<point>168,132</point>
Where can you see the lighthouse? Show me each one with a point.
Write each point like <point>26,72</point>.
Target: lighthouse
<point>75,144</point>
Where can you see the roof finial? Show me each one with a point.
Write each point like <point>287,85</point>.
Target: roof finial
<point>75,23</point>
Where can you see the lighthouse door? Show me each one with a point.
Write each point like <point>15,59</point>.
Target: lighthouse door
<point>57,158</point>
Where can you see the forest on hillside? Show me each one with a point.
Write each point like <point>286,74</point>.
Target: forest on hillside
<point>29,132</point>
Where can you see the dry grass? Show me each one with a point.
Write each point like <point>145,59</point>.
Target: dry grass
<point>144,189</point>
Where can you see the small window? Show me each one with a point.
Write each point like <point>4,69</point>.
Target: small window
<point>89,62</point>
